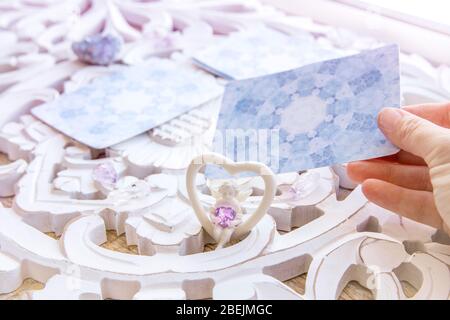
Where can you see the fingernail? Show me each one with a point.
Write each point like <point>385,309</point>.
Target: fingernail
<point>388,118</point>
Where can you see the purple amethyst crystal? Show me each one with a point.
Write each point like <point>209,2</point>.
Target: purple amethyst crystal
<point>225,215</point>
<point>98,49</point>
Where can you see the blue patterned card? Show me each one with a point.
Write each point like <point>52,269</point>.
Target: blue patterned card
<point>260,51</point>
<point>314,116</point>
<point>128,102</point>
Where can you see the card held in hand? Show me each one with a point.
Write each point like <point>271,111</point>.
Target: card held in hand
<point>127,102</point>
<point>313,116</point>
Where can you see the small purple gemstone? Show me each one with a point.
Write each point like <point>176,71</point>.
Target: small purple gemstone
<point>98,49</point>
<point>225,215</point>
<point>105,174</point>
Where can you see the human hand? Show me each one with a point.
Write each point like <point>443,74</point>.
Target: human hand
<point>415,182</point>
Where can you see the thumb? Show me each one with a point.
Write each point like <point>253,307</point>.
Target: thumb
<point>416,135</point>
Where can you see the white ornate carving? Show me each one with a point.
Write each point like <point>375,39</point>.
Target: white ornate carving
<point>170,226</point>
<point>344,181</point>
<point>288,212</point>
<point>17,69</point>
<point>18,139</point>
<point>228,198</point>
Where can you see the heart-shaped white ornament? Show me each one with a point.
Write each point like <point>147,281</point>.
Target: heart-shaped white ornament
<point>232,168</point>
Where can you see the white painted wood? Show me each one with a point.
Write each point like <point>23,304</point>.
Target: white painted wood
<point>15,104</point>
<point>254,287</point>
<point>9,175</point>
<point>164,149</point>
<point>23,68</point>
<point>48,202</point>
<point>67,287</point>
<point>93,258</point>
<point>170,226</point>
<point>344,180</point>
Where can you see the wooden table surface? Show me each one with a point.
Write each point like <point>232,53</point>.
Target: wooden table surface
<point>352,291</point>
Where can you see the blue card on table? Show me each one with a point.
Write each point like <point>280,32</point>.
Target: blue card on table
<point>313,116</point>
<point>128,102</point>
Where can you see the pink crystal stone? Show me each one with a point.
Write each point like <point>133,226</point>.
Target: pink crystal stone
<point>105,174</point>
<point>225,215</point>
